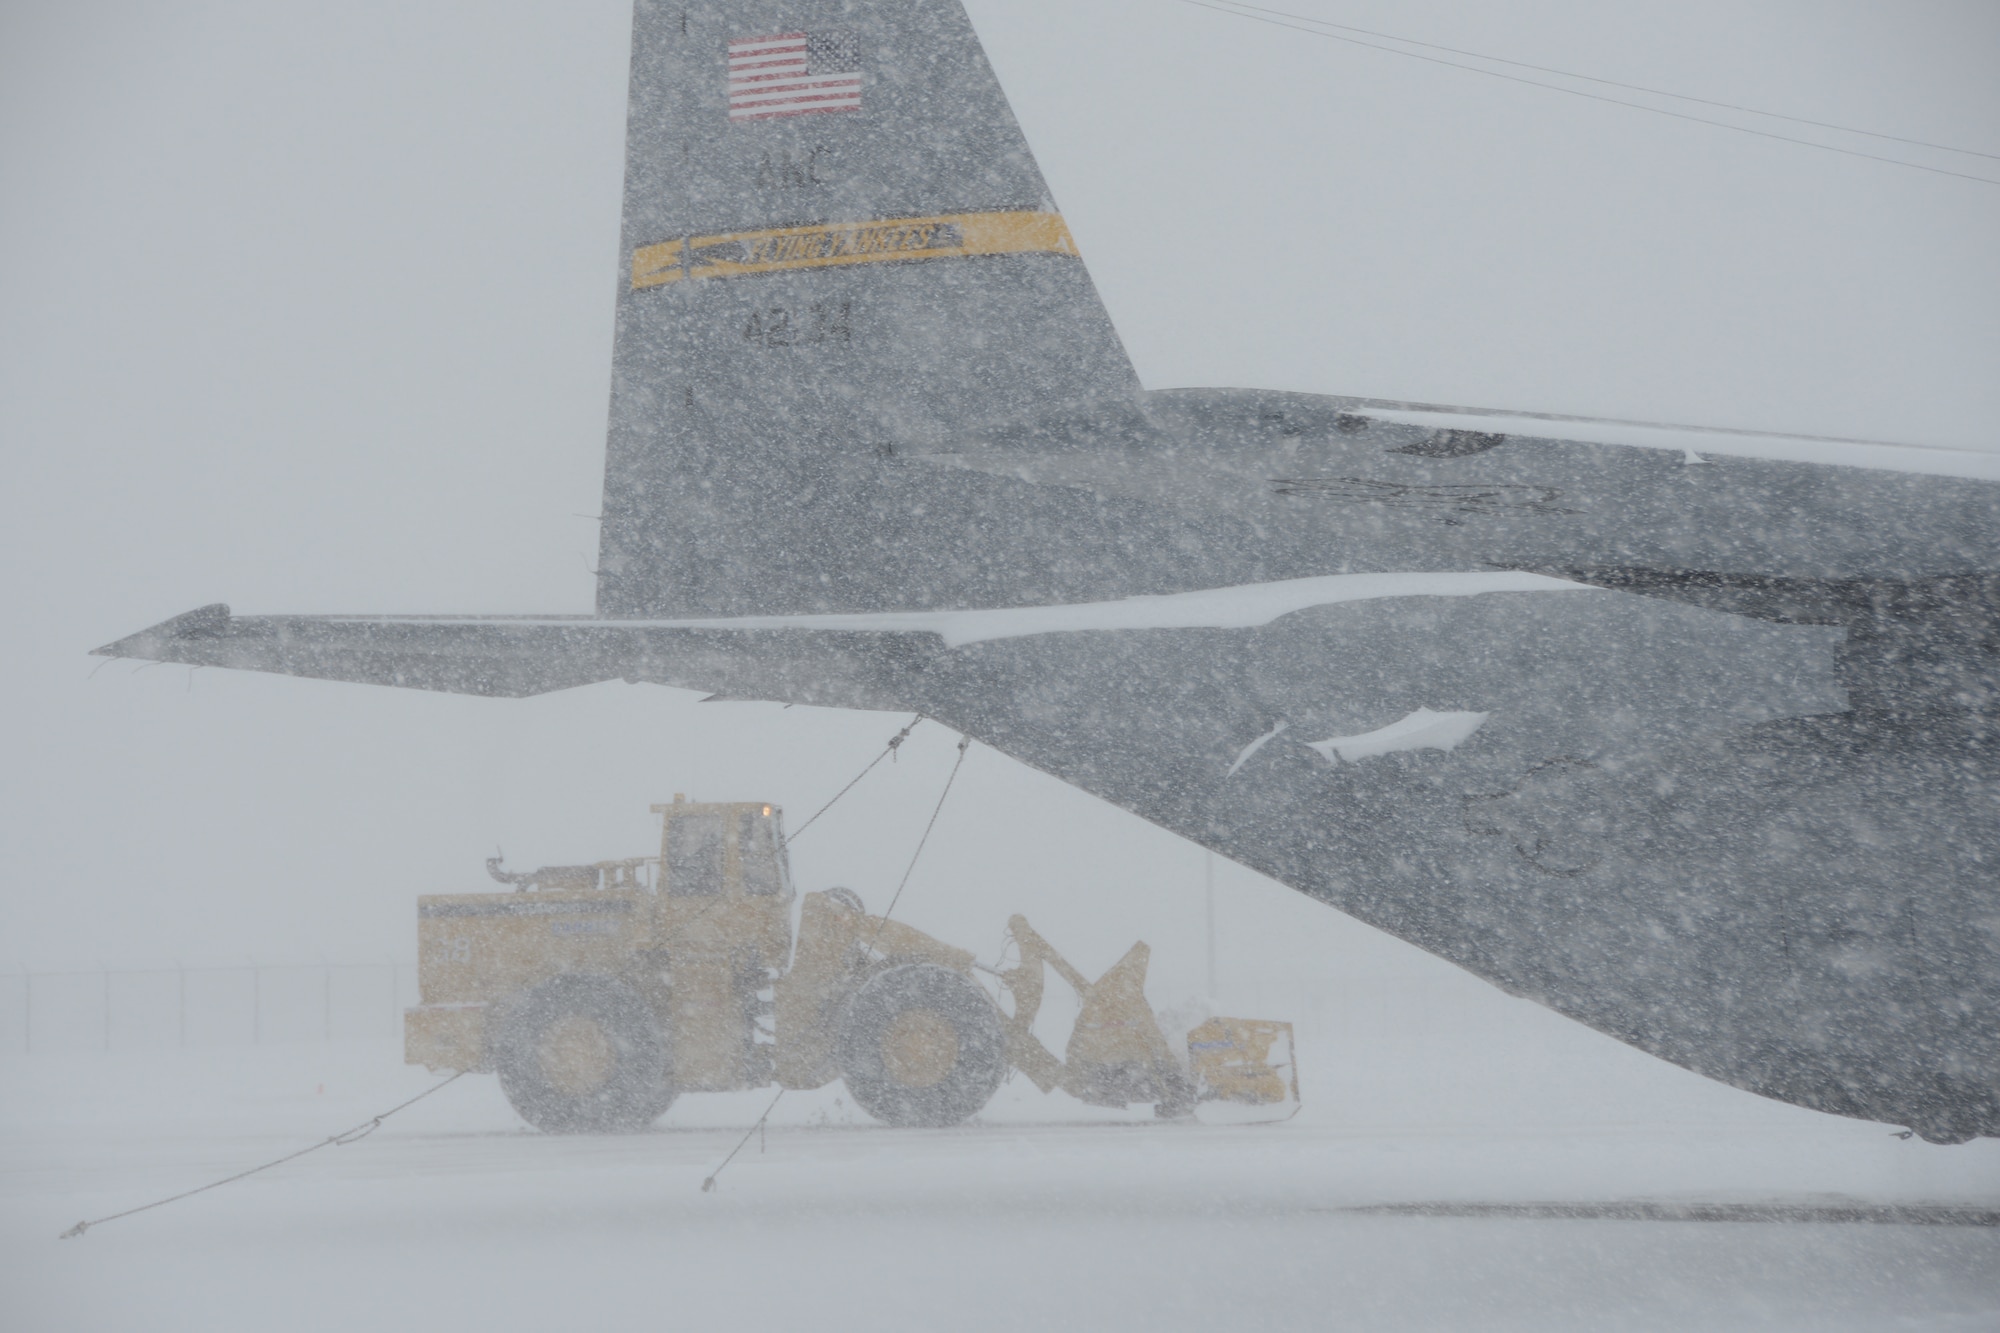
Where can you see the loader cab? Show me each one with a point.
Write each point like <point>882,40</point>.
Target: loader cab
<point>728,850</point>
<point>723,932</point>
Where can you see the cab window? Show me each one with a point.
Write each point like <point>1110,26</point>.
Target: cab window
<point>759,854</point>
<point>694,855</point>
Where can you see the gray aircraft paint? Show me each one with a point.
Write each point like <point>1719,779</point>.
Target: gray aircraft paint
<point>774,398</point>
<point>1732,800</point>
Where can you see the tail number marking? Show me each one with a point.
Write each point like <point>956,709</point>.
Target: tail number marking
<point>820,322</point>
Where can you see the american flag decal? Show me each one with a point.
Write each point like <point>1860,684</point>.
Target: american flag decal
<point>793,74</point>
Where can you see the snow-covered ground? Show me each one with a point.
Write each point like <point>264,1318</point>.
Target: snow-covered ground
<point>1042,1214</point>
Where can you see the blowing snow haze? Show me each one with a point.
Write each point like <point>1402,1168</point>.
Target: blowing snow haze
<point>1728,795</point>
<point>319,309</point>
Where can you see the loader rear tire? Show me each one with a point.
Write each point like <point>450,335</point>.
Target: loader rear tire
<point>582,1054</point>
<point>921,1045</point>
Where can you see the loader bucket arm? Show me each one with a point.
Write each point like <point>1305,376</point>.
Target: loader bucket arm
<point>1116,1053</point>
<point>1026,983</point>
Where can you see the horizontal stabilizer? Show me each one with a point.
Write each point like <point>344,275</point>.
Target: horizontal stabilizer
<point>831,665</point>
<point>1490,427</point>
<point>483,657</point>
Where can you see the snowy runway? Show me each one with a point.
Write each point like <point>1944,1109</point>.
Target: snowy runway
<point>1042,1215</point>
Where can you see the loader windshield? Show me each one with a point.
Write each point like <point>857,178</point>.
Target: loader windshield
<point>694,854</point>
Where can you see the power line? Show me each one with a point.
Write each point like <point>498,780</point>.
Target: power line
<point>1614,83</point>
<point>1594,97</point>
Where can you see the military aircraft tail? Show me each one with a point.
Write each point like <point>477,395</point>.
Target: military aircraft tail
<point>839,251</point>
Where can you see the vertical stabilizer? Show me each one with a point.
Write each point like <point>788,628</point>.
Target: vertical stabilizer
<point>838,249</point>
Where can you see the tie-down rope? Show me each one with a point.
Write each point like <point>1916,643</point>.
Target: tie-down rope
<point>964,744</point>
<point>347,1136</point>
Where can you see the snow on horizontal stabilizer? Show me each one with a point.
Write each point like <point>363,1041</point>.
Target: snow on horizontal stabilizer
<point>1245,606</point>
<point>1243,755</point>
<point>1421,730</point>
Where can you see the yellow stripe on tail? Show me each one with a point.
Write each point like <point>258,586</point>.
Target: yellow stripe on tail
<point>955,236</point>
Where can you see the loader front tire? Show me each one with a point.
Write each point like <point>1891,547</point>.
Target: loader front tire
<point>921,1045</point>
<point>582,1054</point>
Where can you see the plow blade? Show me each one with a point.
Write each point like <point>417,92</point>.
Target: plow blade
<point>1247,1061</point>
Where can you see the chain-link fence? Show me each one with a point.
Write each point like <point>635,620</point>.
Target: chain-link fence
<point>163,1007</point>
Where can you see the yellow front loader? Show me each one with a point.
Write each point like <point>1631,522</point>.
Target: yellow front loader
<point>599,993</point>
